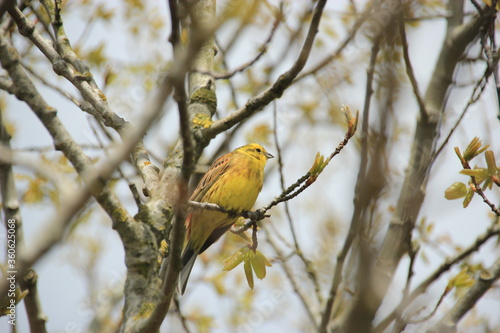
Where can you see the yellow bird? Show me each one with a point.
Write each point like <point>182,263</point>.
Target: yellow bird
<point>233,181</point>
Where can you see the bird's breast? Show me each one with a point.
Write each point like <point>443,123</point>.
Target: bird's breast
<point>239,189</point>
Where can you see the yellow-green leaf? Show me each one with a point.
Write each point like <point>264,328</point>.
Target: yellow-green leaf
<point>259,263</point>
<point>249,273</point>
<point>260,133</point>
<point>459,154</point>
<point>259,268</point>
<point>234,260</point>
<point>96,56</point>
<point>477,172</point>
<point>352,121</point>
<point>462,280</point>
<point>456,191</point>
<point>488,183</point>
<point>468,197</point>
<point>263,259</point>
<point>35,191</point>
<point>473,149</point>
<point>6,302</point>
<point>490,161</point>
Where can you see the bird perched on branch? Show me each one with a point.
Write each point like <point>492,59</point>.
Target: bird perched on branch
<point>233,182</point>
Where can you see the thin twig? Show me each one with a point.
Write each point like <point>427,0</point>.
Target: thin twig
<point>483,283</point>
<point>492,231</point>
<point>476,94</point>
<point>356,218</point>
<point>42,18</point>
<point>180,97</point>
<point>182,318</point>
<point>432,313</point>
<point>294,284</point>
<point>412,253</point>
<point>255,242</point>
<point>50,148</point>
<point>276,90</point>
<point>102,145</point>
<point>262,50</point>
<point>135,194</point>
<point>83,106</point>
<point>409,69</point>
<point>311,272</point>
<point>348,39</point>
<point>79,78</point>
<point>222,54</point>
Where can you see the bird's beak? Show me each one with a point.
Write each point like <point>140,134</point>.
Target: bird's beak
<point>268,155</point>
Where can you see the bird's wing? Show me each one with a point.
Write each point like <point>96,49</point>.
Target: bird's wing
<point>218,168</point>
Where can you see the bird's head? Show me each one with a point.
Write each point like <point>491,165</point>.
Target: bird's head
<point>256,151</point>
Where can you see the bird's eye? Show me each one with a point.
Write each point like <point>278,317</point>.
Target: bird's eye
<point>258,150</point>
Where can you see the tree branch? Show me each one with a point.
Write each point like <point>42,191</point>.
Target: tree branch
<point>492,231</point>
<point>10,205</point>
<point>311,272</point>
<point>262,50</point>
<point>10,202</point>
<point>80,78</point>
<point>65,65</point>
<point>476,94</point>
<point>95,180</point>
<point>293,282</point>
<point>413,190</point>
<point>373,5</point>
<point>409,69</point>
<point>36,317</point>
<point>360,201</point>
<point>164,211</point>
<point>276,90</point>
<point>484,282</point>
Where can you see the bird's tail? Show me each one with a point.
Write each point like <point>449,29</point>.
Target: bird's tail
<point>188,258</point>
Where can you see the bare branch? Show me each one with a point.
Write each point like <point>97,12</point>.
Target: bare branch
<point>373,5</point>
<point>85,107</point>
<point>476,94</point>
<point>276,90</point>
<point>484,282</point>
<point>81,79</point>
<point>10,202</point>
<point>359,202</point>
<point>262,50</point>
<point>492,231</point>
<point>423,149</point>
<point>311,272</point>
<point>36,317</point>
<point>182,318</point>
<point>171,191</point>
<point>409,69</point>
<point>175,35</point>
<point>293,282</point>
